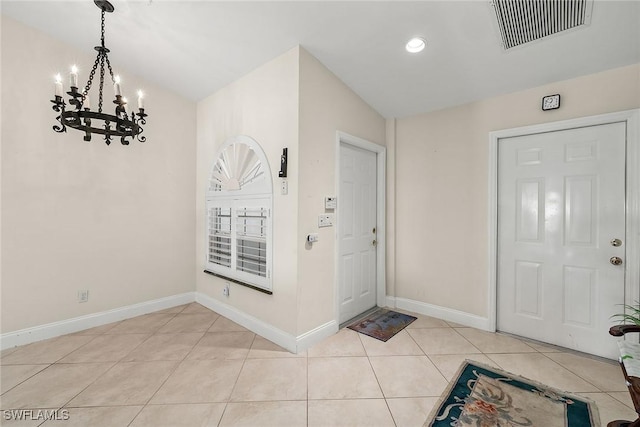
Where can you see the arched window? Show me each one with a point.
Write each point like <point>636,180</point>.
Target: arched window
<point>239,201</point>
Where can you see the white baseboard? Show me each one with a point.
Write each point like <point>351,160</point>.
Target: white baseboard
<point>265,330</point>
<point>316,335</point>
<point>283,339</point>
<point>443,313</point>
<point>76,324</point>
<point>390,301</point>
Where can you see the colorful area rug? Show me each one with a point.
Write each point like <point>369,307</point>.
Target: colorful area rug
<point>382,324</point>
<point>481,396</point>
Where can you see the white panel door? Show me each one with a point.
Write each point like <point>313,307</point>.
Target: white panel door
<point>561,201</point>
<point>356,231</point>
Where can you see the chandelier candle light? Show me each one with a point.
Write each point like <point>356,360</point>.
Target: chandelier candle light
<point>81,117</point>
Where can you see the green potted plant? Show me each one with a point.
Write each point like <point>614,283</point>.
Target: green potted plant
<point>629,320</point>
<point>631,314</point>
<point>629,361</point>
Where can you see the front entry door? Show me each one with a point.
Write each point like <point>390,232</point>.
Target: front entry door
<point>561,230</point>
<point>357,231</point>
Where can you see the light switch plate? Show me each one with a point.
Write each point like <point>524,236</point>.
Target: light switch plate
<point>325,220</point>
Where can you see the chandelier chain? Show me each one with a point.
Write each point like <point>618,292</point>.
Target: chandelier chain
<point>102,29</point>
<point>104,51</point>
<point>113,79</point>
<point>101,83</point>
<point>87,88</point>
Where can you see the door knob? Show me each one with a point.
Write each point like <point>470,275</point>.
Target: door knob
<point>374,243</point>
<point>615,260</point>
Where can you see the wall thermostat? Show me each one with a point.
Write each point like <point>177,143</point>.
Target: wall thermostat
<point>330,202</point>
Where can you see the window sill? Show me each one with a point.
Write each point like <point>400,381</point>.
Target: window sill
<point>265,291</point>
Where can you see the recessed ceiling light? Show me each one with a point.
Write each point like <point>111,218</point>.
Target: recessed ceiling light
<point>415,45</point>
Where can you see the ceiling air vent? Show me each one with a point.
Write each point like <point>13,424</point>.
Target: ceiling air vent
<point>523,21</point>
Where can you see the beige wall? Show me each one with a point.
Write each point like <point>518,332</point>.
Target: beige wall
<point>295,102</point>
<point>118,221</point>
<point>441,183</point>
<point>264,106</point>
<point>327,105</point>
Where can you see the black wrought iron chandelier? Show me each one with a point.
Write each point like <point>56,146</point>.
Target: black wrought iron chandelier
<point>80,116</point>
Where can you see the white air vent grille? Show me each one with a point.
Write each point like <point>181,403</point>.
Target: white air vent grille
<point>523,21</point>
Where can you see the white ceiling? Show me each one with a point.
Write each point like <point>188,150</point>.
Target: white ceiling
<point>198,47</point>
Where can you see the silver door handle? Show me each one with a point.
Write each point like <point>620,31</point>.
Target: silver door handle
<point>615,260</point>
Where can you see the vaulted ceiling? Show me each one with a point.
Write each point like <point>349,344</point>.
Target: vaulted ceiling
<point>198,47</point>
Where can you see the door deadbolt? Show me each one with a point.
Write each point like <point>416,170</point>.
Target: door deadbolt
<point>615,260</point>
<point>616,242</point>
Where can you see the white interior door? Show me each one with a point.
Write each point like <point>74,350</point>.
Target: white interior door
<point>561,203</point>
<point>356,231</point>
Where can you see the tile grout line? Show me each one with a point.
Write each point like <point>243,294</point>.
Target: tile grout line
<point>112,366</point>
<point>431,360</point>
<point>185,358</point>
<point>577,375</point>
<point>176,367</point>
<point>384,396</point>
<point>178,363</point>
<point>235,384</point>
<point>543,352</point>
<point>307,401</point>
<point>36,373</point>
<point>94,381</point>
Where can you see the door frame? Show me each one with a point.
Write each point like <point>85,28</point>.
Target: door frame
<point>632,178</point>
<point>381,161</point>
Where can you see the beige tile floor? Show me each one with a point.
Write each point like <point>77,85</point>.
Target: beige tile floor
<point>188,366</point>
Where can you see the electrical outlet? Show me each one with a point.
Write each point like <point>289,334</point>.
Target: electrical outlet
<point>225,291</point>
<point>83,295</point>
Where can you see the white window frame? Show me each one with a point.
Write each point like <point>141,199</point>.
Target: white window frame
<point>251,189</point>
